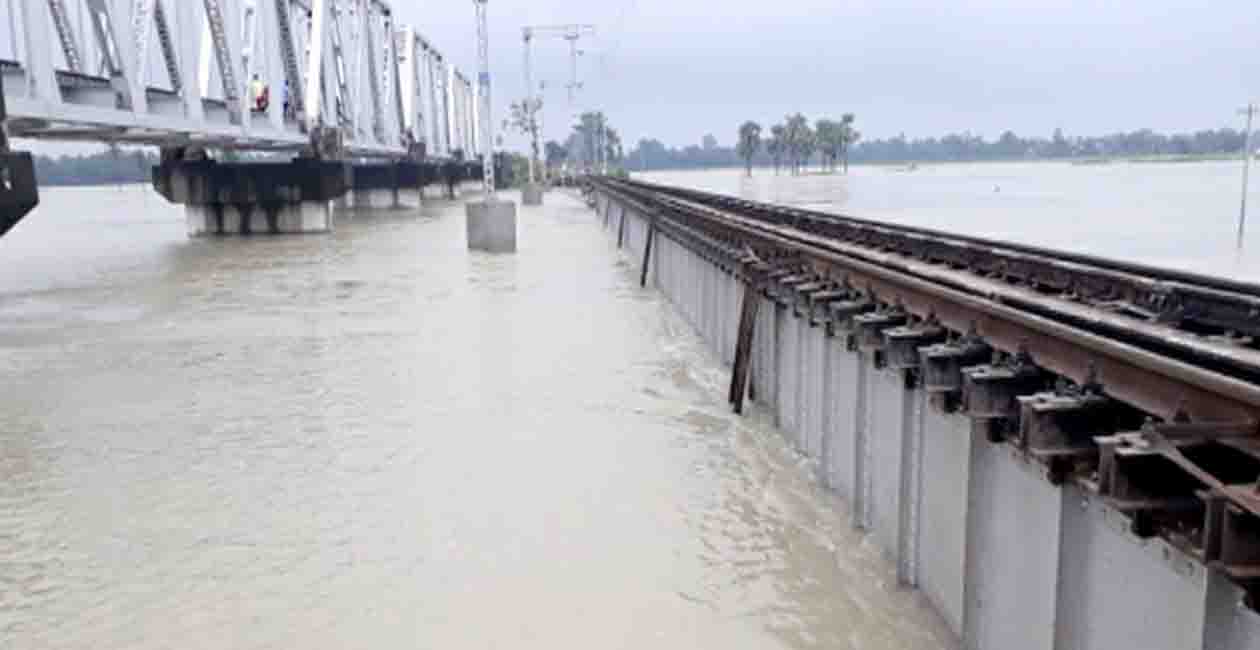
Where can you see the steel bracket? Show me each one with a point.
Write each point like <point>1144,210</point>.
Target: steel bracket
<point>990,392</point>
<point>903,343</point>
<point>869,328</point>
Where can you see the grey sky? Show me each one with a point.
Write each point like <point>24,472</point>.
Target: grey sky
<point>677,69</point>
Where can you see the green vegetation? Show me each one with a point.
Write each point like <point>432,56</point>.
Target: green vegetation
<point>583,146</point>
<point>835,151</point>
<point>777,146</point>
<point>111,167</point>
<point>749,143</point>
<point>524,119</point>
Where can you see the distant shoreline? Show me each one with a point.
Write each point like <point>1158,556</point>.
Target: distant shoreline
<point>1078,161</point>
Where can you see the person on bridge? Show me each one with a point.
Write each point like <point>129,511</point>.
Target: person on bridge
<point>261,94</point>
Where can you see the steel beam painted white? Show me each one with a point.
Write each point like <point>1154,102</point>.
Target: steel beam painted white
<point>400,92</point>
<point>316,44</point>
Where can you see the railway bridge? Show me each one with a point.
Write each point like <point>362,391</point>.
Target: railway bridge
<point>303,102</point>
<point>1060,451</point>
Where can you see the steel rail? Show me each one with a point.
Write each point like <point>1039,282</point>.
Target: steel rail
<point>1153,382</point>
<point>1204,498</point>
<point>1094,261</point>
<point>1207,304</point>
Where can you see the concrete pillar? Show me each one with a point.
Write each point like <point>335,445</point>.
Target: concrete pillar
<point>846,418</point>
<point>376,198</point>
<point>815,371</point>
<point>305,217</point>
<point>255,198</point>
<point>1110,582</point>
<point>256,219</point>
<point>409,198</point>
<point>200,220</point>
<point>532,194</point>
<point>1013,534</point>
<point>286,219</point>
<point>491,226</point>
<point>946,469</point>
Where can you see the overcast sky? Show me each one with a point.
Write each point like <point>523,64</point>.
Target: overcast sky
<point>678,69</point>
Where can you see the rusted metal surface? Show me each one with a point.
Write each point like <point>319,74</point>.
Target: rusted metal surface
<point>1168,295</point>
<point>647,250</point>
<point>1067,339</point>
<point>750,304</point>
<point>1060,355</point>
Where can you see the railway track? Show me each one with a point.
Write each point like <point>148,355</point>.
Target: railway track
<point>1137,383</point>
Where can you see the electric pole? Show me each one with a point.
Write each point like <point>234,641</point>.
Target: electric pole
<point>542,87</point>
<point>573,56</point>
<point>571,33</point>
<point>1250,112</point>
<point>483,79</point>
<point>530,106</point>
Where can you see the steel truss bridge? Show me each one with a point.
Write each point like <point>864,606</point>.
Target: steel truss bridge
<point>178,73</point>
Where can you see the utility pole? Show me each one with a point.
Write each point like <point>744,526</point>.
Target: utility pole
<point>573,56</point>
<point>490,224</point>
<point>542,87</point>
<point>571,33</point>
<point>1250,112</point>
<point>530,106</point>
<point>486,128</point>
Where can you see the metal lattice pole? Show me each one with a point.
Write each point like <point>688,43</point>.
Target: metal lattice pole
<point>529,106</point>
<point>487,137</point>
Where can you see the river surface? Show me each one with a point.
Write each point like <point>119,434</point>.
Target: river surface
<point>377,439</point>
<point>1180,215</point>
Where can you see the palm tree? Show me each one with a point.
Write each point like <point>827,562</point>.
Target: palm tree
<point>799,141</point>
<point>776,146</point>
<point>826,131</point>
<point>749,143</point>
<point>848,137</point>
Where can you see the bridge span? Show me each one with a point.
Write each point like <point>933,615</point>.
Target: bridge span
<point>1060,451</point>
<point>332,83</point>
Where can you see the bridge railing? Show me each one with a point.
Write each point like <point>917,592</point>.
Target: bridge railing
<point>190,73</point>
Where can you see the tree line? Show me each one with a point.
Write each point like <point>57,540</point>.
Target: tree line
<point>795,142</point>
<point>111,167</point>
<point>776,151</point>
<point>792,144</point>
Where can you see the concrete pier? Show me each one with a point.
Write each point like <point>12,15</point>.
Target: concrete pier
<point>254,198</point>
<point>287,218</point>
<point>377,199</point>
<point>19,193</point>
<point>491,226</point>
<point>1007,558</point>
<point>532,194</point>
<point>385,186</point>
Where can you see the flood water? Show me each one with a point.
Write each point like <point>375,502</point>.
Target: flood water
<point>377,439</point>
<point>1180,215</point>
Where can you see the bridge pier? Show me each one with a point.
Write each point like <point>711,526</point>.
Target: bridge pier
<point>18,191</point>
<point>254,198</point>
<point>385,186</point>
